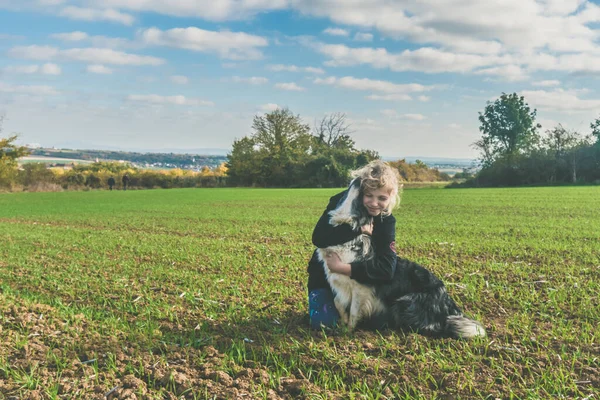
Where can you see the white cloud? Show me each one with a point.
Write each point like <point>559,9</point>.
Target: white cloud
<point>414,117</point>
<point>336,32</point>
<point>75,36</point>
<point>91,14</point>
<point>99,69</point>
<point>350,82</point>
<point>88,55</point>
<point>504,39</point>
<point>547,83</point>
<point>513,25</point>
<point>454,126</point>
<point>253,80</point>
<point>313,70</point>
<point>510,26</point>
<point>290,86</point>
<point>560,101</point>
<point>34,52</point>
<point>390,97</point>
<point>108,56</point>
<point>46,69</point>
<point>222,10</point>
<point>50,69</point>
<point>295,68</point>
<point>22,69</point>
<point>96,41</point>
<point>229,45</point>
<point>388,112</point>
<point>511,73</point>
<point>179,79</point>
<point>425,59</point>
<point>423,98</point>
<point>51,2</point>
<point>37,90</point>
<point>363,37</point>
<point>177,100</point>
<point>269,107</point>
<point>582,63</point>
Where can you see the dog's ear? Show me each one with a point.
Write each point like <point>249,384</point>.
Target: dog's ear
<point>355,183</point>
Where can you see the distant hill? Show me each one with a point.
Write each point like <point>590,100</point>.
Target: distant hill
<point>195,159</point>
<point>467,162</point>
<point>442,164</point>
<point>142,160</point>
<point>206,151</point>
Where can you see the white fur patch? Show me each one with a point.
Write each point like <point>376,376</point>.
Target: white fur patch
<point>464,327</point>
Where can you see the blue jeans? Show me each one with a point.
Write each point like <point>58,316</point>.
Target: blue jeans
<point>321,309</point>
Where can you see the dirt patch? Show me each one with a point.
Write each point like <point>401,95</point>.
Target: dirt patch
<point>60,358</point>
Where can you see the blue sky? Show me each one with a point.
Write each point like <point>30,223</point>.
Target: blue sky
<point>410,75</point>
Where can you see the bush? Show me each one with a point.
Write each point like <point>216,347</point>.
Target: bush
<point>34,173</point>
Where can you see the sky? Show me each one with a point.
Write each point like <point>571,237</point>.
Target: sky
<point>182,75</point>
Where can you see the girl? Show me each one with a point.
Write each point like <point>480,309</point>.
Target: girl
<point>379,189</point>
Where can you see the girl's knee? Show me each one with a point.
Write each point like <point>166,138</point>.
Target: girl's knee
<point>322,309</point>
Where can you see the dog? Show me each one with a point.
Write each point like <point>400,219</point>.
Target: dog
<point>415,300</point>
<point>354,301</point>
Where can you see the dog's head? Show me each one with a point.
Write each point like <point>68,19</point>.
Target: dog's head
<point>350,208</point>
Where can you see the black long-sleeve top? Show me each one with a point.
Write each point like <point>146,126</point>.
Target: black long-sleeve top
<point>379,269</point>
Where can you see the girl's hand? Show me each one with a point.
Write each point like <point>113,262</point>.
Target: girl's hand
<point>367,229</point>
<point>336,265</point>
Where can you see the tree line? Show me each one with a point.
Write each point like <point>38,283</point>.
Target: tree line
<point>283,151</point>
<point>514,153</point>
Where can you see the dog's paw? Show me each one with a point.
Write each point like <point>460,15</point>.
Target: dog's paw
<point>352,324</point>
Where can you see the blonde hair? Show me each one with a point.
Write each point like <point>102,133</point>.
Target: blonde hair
<point>377,175</point>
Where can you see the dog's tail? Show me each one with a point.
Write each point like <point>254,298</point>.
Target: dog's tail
<point>461,327</point>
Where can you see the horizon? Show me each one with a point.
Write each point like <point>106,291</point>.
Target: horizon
<point>223,153</point>
<point>411,77</point>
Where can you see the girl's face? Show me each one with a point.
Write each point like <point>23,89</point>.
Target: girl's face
<point>375,201</point>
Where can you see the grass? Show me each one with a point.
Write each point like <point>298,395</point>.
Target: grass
<point>200,293</point>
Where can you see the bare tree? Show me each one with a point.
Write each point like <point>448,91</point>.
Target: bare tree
<point>334,130</point>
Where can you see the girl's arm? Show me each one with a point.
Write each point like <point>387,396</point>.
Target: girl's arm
<point>381,268</point>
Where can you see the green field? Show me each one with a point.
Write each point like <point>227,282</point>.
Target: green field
<point>201,294</point>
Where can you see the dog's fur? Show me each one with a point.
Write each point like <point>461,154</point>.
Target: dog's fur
<point>353,300</point>
<point>415,300</point>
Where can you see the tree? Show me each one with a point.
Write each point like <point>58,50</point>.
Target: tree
<point>508,128</point>
<point>275,152</point>
<point>565,146</point>
<point>596,129</point>
<point>559,140</point>
<point>334,131</point>
<point>9,154</point>
<point>244,163</point>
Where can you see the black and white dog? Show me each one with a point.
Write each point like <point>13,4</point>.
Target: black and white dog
<point>415,300</point>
